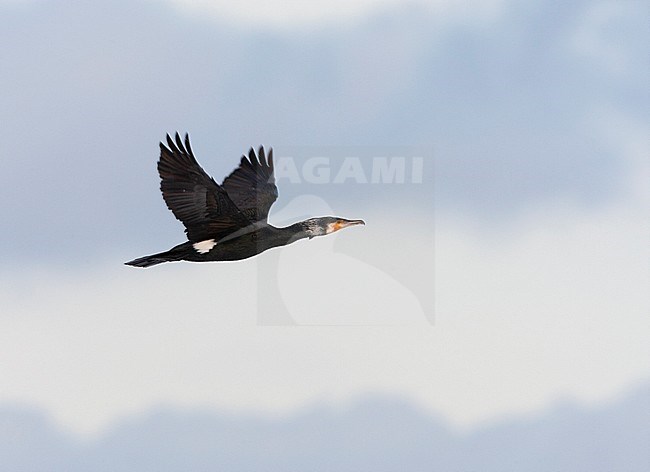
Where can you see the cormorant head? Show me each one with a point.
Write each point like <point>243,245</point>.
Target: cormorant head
<point>326,225</point>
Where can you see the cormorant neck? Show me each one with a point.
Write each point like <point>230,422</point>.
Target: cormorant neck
<point>289,234</point>
<point>312,227</point>
<point>301,230</point>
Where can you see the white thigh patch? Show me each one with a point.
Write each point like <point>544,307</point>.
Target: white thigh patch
<point>204,246</point>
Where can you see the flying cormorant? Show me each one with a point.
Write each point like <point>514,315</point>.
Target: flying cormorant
<point>226,222</point>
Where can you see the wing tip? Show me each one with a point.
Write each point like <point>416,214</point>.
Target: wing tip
<point>176,145</point>
<point>259,158</point>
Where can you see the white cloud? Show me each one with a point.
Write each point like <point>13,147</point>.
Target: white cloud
<point>557,307</point>
<point>290,13</point>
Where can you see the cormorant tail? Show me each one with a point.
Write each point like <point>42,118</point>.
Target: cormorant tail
<point>148,261</point>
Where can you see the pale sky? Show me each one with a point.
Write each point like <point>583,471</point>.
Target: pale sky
<point>537,251</point>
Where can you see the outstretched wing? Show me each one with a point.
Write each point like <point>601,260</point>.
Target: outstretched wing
<point>251,186</point>
<point>193,196</point>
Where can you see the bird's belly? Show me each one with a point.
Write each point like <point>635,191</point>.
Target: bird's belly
<point>234,250</point>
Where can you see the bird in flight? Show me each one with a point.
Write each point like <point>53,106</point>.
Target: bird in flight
<point>226,222</point>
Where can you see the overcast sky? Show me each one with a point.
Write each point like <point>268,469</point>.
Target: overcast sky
<point>513,275</point>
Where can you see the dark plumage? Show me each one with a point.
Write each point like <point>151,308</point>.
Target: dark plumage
<point>226,222</point>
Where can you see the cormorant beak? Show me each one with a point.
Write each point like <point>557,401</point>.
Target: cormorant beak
<point>341,223</point>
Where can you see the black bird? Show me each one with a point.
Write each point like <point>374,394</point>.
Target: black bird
<point>226,222</point>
